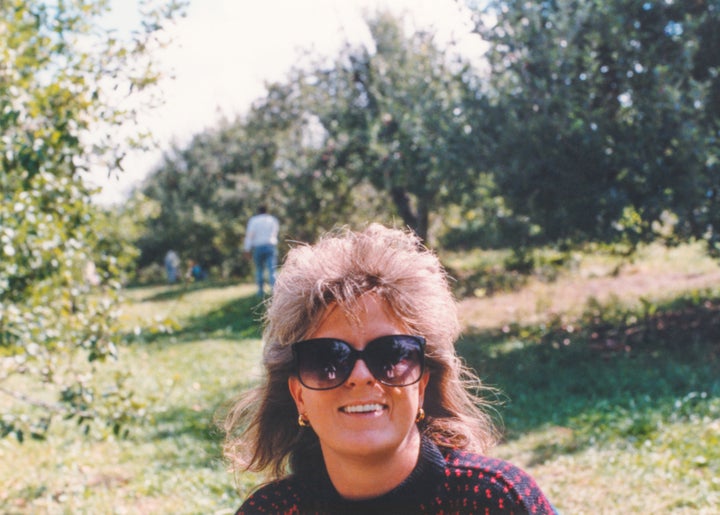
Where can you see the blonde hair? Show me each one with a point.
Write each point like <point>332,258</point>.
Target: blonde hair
<point>261,429</point>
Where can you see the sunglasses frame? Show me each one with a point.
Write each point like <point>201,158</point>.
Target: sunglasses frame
<point>355,355</point>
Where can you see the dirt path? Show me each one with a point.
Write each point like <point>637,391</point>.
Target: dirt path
<point>537,301</point>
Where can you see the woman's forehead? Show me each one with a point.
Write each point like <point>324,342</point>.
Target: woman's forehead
<point>369,309</point>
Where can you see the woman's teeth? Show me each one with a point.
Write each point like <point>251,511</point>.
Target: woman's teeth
<point>362,408</point>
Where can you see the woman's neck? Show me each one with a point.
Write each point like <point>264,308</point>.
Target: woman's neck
<point>366,477</point>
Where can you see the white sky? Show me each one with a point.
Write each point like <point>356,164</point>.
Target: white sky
<point>225,50</point>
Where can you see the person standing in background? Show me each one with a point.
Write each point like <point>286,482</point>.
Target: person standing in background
<point>172,262</point>
<point>261,238</point>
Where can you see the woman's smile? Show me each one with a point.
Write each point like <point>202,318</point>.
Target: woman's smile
<point>366,408</point>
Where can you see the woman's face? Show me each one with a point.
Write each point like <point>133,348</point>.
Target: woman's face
<point>362,417</point>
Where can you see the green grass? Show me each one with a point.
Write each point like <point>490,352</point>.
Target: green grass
<point>630,428</point>
<point>170,464</point>
<point>208,351</point>
<point>613,410</point>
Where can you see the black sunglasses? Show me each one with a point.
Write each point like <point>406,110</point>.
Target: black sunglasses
<point>326,363</point>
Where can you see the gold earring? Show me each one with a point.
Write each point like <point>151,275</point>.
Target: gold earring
<point>303,420</point>
<point>420,415</point>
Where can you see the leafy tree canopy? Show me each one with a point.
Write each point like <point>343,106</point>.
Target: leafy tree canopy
<point>610,116</point>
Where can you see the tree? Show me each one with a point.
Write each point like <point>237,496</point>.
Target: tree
<point>64,88</point>
<point>610,116</point>
<point>396,116</point>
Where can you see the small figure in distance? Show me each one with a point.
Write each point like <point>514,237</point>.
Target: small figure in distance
<point>172,262</point>
<point>261,238</point>
<point>364,406</point>
<point>195,271</point>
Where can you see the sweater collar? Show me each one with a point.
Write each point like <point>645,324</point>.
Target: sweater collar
<point>423,479</point>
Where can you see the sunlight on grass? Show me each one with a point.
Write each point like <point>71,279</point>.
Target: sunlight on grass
<point>171,464</point>
<point>670,473</point>
<point>656,275</point>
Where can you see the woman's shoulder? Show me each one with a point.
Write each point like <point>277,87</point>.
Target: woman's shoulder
<point>280,496</point>
<point>495,481</point>
<point>458,461</point>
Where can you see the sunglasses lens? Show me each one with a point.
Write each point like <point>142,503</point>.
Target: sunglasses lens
<point>395,360</point>
<point>323,363</point>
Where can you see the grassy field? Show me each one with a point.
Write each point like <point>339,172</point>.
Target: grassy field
<point>611,381</point>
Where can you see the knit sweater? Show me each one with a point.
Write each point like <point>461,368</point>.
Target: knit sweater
<point>447,482</point>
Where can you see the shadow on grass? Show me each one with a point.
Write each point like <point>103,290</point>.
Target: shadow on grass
<point>240,318</point>
<point>588,387</point>
<point>176,291</point>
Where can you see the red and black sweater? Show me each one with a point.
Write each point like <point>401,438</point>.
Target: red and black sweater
<point>447,482</point>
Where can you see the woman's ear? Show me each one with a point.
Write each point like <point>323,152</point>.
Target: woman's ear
<point>296,391</point>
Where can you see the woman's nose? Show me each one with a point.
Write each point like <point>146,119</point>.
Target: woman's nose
<point>360,374</point>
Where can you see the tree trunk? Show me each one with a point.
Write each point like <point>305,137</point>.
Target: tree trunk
<point>419,221</point>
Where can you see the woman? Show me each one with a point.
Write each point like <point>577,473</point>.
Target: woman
<point>364,398</point>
